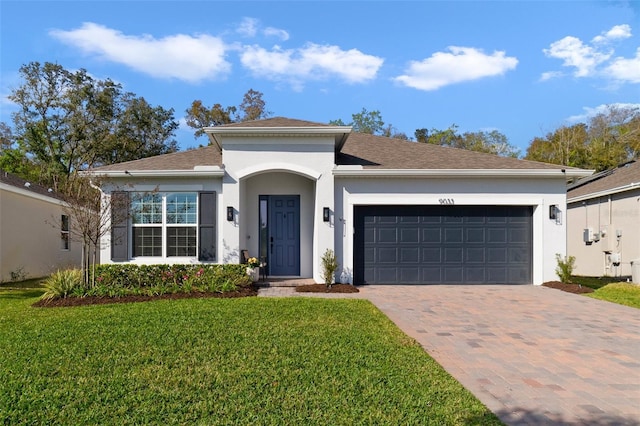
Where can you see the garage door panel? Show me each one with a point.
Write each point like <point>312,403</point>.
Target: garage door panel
<point>443,244</point>
<point>453,255</point>
<point>387,255</point>
<point>498,235</point>
<point>387,275</point>
<point>475,275</point>
<point>475,235</point>
<point>369,255</point>
<point>475,255</point>
<point>496,255</point>
<point>410,275</point>
<point>387,235</point>
<point>452,235</point>
<point>410,255</point>
<point>431,255</point>
<point>453,275</point>
<point>369,235</point>
<point>497,275</point>
<point>432,235</point>
<point>410,235</point>
<point>432,275</point>
<point>518,236</point>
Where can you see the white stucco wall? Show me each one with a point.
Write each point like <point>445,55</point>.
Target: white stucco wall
<point>616,221</point>
<point>135,184</point>
<point>30,241</point>
<point>291,165</point>
<point>548,235</point>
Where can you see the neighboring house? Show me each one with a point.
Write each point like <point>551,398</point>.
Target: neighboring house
<point>394,211</point>
<point>604,221</point>
<point>34,231</point>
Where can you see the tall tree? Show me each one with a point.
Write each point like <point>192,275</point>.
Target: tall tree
<point>199,116</point>
<point>607,139</point>
<point>492,142</point>
<point>566,145</point>
<point>67,120</point>
<point>371,122</point>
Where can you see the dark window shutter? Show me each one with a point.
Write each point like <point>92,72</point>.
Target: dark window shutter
<point>119,226</point>
<point>207,226</point>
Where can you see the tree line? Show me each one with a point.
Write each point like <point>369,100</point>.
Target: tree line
<point>68,121</point>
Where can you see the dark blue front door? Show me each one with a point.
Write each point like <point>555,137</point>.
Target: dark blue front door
<point>284,235</point>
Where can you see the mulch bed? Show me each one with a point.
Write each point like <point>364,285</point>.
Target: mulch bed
<point>94,300</point>
<point>322,288</point>
<point>569,288</point>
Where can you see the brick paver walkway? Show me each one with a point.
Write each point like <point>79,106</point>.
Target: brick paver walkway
<point>532,355</point>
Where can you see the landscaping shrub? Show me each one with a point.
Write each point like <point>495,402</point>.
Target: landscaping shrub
<point>329,266</point>
<point>63,283</point>
<point>154,280</point>
<point>564,270</point>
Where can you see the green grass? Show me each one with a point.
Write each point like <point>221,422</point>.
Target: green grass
<point>594,282</point>
<point>622,293</point>
<point>220,361</point>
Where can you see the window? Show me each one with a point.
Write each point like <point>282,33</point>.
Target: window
<point>64,232</point>
<point>164,224</point>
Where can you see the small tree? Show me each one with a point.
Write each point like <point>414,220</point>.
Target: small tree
<point>90,215</point>
<point>329,267</point>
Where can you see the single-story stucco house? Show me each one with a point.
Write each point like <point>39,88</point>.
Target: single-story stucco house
<point>603,218</point>
<point>35,231</point>
<point>394,211</point>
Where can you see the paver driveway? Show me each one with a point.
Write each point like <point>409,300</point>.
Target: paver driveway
<point>533,355</point>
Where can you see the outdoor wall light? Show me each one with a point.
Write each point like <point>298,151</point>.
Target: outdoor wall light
<point>326,212</point>
<point>553,211</point>
<point>230,213</point>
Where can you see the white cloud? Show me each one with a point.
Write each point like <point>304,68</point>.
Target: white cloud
<point>311,62</point>
<point>615,33</point>
<point>183,57</point>
<point>276,32</point>
<point>576,54</point>
<point>595,59</point>
<point>248,27</point>
<point>550,74</point>
<point>622,69</point>
<point>590,112</point>
<point>458,65</point>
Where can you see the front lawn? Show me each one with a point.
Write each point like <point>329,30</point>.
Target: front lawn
<point>622,293</point>
<point>220,361</point>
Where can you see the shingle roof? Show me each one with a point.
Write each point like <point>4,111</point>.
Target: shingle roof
<point>18,182</point>
<point>387,153</point>
<point>362,149</point>
<point>183,160</point>
<point>624,174</point>
<point>276,122</point>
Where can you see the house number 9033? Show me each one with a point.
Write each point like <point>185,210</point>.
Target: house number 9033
<point>447,201</point>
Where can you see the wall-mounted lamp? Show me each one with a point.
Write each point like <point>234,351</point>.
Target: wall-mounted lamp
<point>326,214</point>
<point>553,211</point>
<point>230,213</point>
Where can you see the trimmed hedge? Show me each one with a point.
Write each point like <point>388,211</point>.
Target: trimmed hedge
<point>154,280</point>
<point>118,280</point>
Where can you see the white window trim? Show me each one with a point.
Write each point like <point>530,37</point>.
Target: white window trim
<point>163,225</point>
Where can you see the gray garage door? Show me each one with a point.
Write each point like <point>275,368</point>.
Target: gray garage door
<point>443,245</point>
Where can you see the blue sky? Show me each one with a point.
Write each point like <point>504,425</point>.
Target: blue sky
<point>522,68</point>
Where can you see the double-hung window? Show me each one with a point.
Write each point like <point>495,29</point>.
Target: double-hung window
<point>164,224</point>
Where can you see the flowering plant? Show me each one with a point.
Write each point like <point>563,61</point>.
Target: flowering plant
<point>253,262</point>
